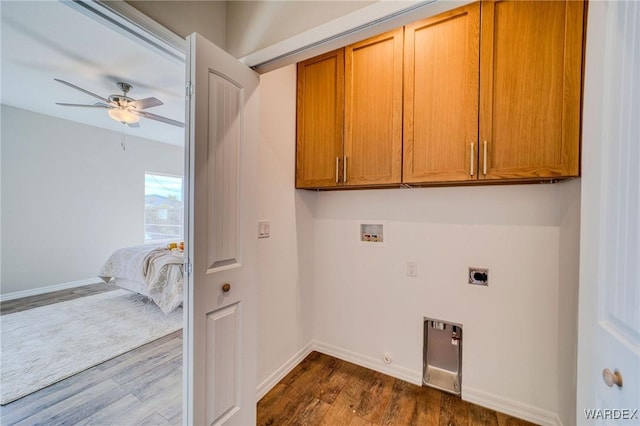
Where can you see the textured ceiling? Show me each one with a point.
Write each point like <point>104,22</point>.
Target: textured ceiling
<point>43,40</point>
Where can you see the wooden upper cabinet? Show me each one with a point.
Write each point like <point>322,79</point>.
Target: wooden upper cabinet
<point>488,91</point>
<point>373,111</point>
<point>320,118</point>
<point>441,64</point>
<point>530,89</point>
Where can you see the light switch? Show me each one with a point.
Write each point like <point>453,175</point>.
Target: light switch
<point>412,269</point>
<point>264,229</point>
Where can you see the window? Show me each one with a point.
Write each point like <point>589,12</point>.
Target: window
<point>163,208</point>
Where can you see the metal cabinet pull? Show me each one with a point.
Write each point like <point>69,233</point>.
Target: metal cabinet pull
<point>484,167</point>
<point>337,169</point>
<point>471,160</point>
<point>344,169</point>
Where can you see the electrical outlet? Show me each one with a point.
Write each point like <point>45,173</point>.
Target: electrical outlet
<point>412,269</point>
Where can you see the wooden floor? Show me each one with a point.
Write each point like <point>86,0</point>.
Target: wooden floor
<point>144,387</point>
<point>323,390</point>
<point>22,304</point>
<point>140,387</point>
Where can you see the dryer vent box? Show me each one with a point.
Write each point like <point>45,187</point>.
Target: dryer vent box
<point>442,355</point>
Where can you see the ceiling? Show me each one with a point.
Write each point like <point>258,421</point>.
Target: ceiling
<point>43,40</point>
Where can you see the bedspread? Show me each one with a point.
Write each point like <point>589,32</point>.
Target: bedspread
<point>160,269</point>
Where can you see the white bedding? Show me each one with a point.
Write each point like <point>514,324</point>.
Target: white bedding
<point>151,270</point>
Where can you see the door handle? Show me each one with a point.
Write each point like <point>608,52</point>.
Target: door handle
<point>337,169</point>
<point>226,287</point>
<point>611,379</point>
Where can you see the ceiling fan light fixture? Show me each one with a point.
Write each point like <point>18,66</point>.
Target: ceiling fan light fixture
<point>123,115</point>
<point>121,107</point>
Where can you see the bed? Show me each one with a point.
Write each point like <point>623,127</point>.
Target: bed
<point>151,270</point>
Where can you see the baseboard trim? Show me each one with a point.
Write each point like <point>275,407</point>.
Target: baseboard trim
<point>510,407</point>
<point>279,374</point>
<point>49,289</point>
<point>371,363</point>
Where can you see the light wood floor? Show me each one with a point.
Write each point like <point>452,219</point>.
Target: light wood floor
<point>323,390</point>
<point>22,304</point>
<point>140,387</point>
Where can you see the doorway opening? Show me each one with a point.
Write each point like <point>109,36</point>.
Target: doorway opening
<point>74,198</point>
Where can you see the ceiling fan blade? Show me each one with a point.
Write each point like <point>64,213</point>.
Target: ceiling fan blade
<point>158,118</point>
<point>133,124</point>
<point>146,103</point>
<point>82,90</point>
<point>96,105</point>
<point>103,105</point>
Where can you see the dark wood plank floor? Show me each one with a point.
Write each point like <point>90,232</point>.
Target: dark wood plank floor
<point>323,390</point>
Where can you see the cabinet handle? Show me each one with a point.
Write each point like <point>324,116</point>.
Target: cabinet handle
<point>484,166</point>
<point>337,169</point>
<point>344,169</point>
<point>471,160</point>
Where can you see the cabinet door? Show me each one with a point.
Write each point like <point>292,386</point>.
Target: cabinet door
<point>441,97</point>
<point>320,118</point>
<point>530,88</point>
<point>373,111</point>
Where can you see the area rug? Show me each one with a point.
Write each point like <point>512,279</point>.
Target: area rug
<point>44,345</point>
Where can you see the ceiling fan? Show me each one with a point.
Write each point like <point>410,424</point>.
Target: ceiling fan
<point>121,107</point>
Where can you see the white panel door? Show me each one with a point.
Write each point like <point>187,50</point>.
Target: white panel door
<point>220,353</point>
<point>609,335</point>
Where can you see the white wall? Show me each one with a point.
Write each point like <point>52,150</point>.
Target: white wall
<point>285,259</point>
<point>365,303</point>
<point>273,21</point>
<point>70,197</point>
<point>362,304</point>
<point>184,17</point>
<point>569,256</point>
